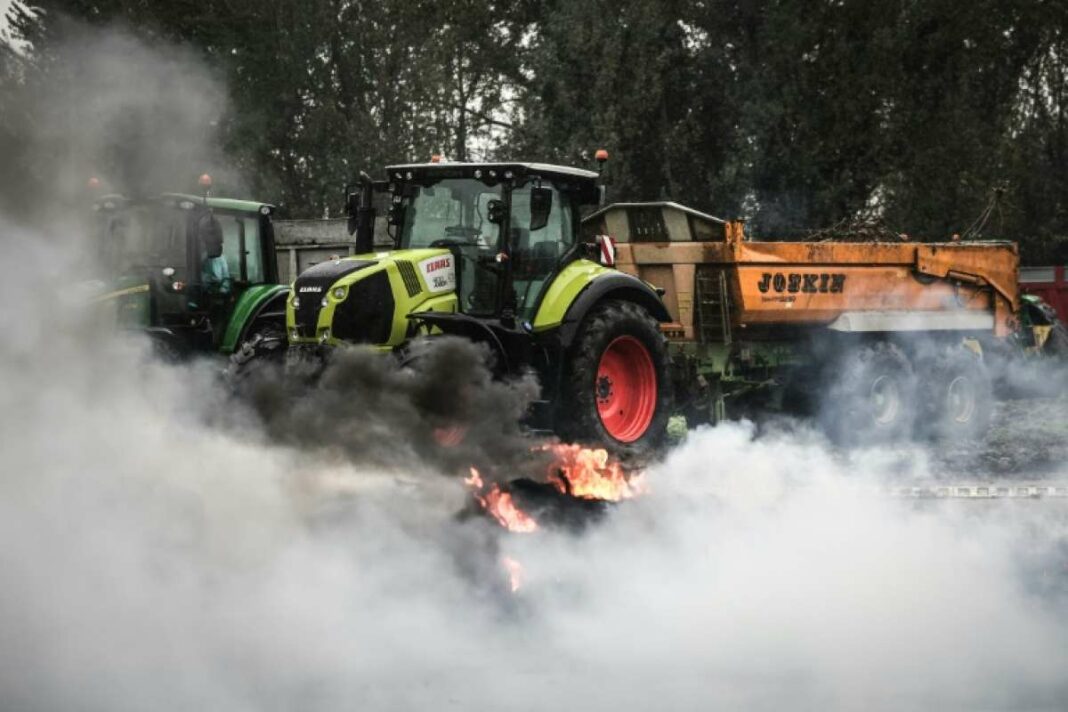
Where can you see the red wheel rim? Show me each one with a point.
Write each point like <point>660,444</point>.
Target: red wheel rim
<point>625,389</point>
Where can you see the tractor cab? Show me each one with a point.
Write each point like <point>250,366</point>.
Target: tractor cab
<point>509,226</point>
<point>180,266</point>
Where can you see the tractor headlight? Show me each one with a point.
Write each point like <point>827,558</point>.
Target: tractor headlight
<point>339,293</point>
<point>296,302</point>
<point>324,302</point>
<point>294,333</point>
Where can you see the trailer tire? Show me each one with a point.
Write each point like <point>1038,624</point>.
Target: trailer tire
<point>961,395</point>
<point>616,392</point>
<point>872,396</point>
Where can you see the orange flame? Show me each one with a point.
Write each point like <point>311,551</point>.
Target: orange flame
<point>474,481</point>
<point>515,572</point>
<point>501,505</point>
<point>588,472</point>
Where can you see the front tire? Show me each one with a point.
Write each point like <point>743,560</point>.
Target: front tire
<point>616,392</point>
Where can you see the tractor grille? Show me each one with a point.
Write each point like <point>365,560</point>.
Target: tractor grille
<point>411,279</point>
<point>366,316</point>
<point>313,285</point>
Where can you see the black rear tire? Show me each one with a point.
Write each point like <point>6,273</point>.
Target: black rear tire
<point>586,391</point>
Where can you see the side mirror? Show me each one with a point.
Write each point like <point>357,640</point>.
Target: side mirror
<point>210,233</point>
<point>541,204</point>
<point>495,212</point>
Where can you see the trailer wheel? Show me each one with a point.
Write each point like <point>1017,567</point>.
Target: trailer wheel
<point>961,394</point>
<point>872,396</point>
<point>617,391</point>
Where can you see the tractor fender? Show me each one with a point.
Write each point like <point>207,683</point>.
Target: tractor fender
<point>614,285</point>
<point>474,329</point>
<point>266,301</point>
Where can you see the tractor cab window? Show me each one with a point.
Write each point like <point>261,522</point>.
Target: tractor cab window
<point>242,246</point>
<point>537,252</point>
<point>453,213</point>
<point>144,238</point>
<point>453,210</point>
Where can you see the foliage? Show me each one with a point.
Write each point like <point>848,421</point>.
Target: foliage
<point>796,114</point>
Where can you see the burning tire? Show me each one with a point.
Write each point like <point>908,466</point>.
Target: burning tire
<point>872,396</point>
<point>616,391</point>
<point>961,395</point>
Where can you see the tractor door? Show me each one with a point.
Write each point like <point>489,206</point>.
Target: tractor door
<point>542,232</point>
<point>243,247</point>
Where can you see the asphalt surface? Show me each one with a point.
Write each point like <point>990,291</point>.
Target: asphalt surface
<point>1028,439</point>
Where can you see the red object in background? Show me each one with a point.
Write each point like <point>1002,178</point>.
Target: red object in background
<point>1047,283</point>
<point>205,181</point>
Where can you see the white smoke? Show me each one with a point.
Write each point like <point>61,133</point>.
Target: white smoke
<point>154,559</point>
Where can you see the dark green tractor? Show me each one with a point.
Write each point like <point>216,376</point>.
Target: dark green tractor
<point>197,274</point>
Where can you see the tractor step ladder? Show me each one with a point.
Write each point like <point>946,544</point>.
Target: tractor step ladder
<point>713,306</point>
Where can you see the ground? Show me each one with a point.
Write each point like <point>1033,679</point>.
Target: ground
<point>1027,439</point>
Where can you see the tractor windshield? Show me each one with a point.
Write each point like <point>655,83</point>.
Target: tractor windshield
<point>454,213</point>
<point>453,210</point>
<point>144,237</point>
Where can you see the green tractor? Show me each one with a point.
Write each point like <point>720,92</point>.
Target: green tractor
<point>197,274</point>
<point>492,252</point>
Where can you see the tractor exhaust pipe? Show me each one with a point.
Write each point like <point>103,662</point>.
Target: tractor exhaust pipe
<point>361,214</point>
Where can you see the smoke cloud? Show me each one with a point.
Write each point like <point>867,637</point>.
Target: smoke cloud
<point>165,549</point>
<point>439,401</point>
<point>153,561</point>
<point>141,119</point>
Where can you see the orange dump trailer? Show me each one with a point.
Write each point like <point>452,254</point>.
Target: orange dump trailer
<point>892,332</point>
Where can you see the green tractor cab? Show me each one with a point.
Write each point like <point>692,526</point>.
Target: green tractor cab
<point>198,274</point>
<point>492,252</point>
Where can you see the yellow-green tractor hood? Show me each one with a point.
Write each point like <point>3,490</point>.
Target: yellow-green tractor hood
<point>367,298</point>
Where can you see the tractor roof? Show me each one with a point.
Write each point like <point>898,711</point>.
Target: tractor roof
<point>459,170</point>
<point>244,206</point>
<point>116,200</point>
